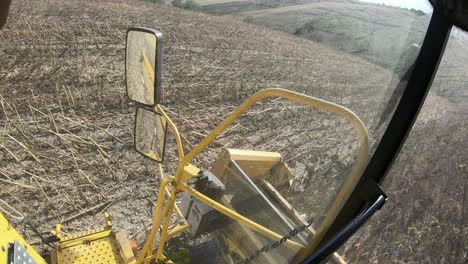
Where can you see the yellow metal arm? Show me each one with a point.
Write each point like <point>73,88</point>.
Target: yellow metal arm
<point>347,114</point>
<point>163,217</point>
<point>239,218</point>
<point>175,131</point>
<point>157,218</point>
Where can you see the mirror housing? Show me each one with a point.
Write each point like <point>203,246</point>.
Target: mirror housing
<point>143,62</point>
<point>150,134</point>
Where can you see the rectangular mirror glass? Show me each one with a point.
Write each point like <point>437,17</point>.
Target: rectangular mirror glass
<point>150,134</point>
<point>142,65</point>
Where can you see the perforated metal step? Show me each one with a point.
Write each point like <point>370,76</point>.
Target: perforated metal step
<point>100,251</point>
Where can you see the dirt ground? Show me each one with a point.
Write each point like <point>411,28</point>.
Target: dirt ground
<point>66,127</point>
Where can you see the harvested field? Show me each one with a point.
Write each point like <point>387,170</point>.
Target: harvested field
<point>66,126</point>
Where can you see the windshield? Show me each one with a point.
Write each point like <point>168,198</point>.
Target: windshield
<point>430,170</point>
<point>66,133</point>
<point>356,54</point>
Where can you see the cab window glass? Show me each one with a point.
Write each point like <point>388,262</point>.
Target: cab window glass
<point>427,184</point>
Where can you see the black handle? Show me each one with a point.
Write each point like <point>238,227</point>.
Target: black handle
<point>335,242</point>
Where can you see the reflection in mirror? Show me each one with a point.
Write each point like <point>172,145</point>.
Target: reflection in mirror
<point>150,134</point>
<point>140,66</point>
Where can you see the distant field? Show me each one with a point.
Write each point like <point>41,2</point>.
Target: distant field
<point>377,33</point>
<point>212,2</point>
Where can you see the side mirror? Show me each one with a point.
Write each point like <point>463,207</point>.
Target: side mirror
<point>150,134</point>
<point>143,60</point>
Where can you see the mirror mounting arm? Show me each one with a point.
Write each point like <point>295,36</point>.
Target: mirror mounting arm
<point>175,131</point>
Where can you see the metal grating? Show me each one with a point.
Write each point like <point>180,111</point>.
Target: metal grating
<point>19,255</point>
<point>101,251</point>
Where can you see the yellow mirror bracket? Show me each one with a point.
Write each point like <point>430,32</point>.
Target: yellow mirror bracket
<point>180,150</point>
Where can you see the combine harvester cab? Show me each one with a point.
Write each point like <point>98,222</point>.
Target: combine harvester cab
<point>237,210</point>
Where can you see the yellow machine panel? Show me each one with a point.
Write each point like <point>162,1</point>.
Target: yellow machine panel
<point>12,245</point>
<point>101,245</point>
